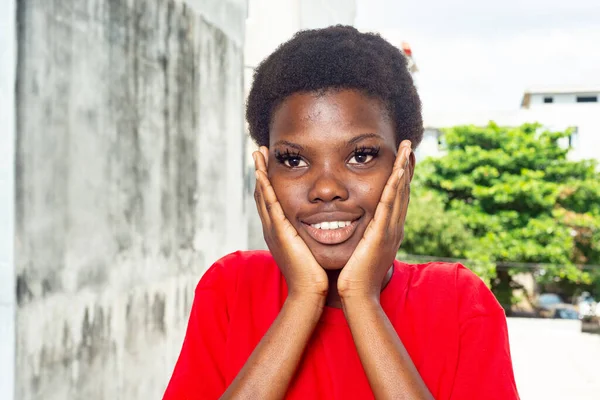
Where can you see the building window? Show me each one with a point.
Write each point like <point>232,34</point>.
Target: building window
<point>587,99</point>
<point>548,100</point>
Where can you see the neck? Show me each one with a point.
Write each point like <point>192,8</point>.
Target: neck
<point>333,296</point>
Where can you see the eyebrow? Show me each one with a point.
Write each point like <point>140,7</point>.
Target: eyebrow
<point>289,144</point>
<point>363,137</point>
<point>351,142</point>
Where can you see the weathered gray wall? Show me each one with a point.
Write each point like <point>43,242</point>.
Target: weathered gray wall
<point>8,62</point>
<point>129,184</point>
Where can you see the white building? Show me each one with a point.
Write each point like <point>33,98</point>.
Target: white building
<point>559,96</point>
<point>557,108</point>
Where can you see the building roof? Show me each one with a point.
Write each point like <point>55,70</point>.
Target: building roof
<point>558,89</point>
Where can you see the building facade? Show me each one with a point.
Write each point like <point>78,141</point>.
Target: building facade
<point>577,108</point>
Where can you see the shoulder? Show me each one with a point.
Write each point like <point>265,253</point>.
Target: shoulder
<point>243,265</point>
<point>246,286</point>
<point>454,285</point>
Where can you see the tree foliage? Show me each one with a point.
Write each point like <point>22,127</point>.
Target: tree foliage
<point>508,195</point>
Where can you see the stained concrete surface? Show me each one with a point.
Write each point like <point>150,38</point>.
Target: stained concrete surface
<point>8,61</point>
<point>129,121</point>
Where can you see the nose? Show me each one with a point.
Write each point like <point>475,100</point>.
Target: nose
<point>327,187</point>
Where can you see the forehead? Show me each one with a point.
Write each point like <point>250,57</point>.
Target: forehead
<point>328,117</point>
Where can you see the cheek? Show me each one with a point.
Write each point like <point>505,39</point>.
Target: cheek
<point>369,191</point>
<point>289,195</point>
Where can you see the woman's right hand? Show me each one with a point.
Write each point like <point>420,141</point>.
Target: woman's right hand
<point>303,275</point>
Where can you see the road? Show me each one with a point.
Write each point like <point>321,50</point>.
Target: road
<point>553,360</point>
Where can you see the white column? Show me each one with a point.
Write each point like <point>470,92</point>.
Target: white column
<point>8,58</point>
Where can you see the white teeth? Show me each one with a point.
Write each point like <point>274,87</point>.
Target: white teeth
<point>331,225</point>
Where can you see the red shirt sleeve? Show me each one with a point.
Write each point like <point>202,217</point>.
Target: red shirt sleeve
<point>484,365</point>
<point>199,370</point>
<point>484,368</point>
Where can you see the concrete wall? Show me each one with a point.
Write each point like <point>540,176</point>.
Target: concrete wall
<point>8,61</point>
<point>270,23</point>
<point>129,185</point>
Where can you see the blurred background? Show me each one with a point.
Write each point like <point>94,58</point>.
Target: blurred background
<point>125,172</point>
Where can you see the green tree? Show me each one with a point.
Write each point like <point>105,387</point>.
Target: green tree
<point>509,195</point>
<point>432,231</point>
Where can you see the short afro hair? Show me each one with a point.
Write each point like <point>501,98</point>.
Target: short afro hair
<point>336,58</point>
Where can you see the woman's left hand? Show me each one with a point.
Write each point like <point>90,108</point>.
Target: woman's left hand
<point>366,270</point>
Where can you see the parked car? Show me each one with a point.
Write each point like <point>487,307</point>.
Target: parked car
<point>587,306</point>
<point>591,323</point>
<point>550,305</point>
<point>589,313</point>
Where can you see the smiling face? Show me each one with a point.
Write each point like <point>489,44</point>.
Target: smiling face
<point>330,156</point>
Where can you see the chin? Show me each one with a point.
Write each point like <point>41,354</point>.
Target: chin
<point>332,260</point>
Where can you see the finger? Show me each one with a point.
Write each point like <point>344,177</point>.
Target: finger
<point>259,197</point>
<point>273,207</point>
<point>401,216</point>
<point>388,201</point>
<point>260,166</point>
<point>400,159</point>
<point>265,153</point>
<point>400,210</point>
<point>255,156</point>
<point>401,200</point>
<point>405,201</point>
<point>260,159</point>
<point>385,208</point>
<point>273,213</point>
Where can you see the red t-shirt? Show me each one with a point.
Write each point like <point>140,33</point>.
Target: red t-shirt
<point>448,320</point>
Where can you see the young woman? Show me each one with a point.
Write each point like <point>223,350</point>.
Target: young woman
<point>328,313</point>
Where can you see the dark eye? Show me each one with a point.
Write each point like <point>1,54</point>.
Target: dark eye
<point>294,162</point>
<point>290,160</point>
<point>363,155</point>
<point>361,158</point>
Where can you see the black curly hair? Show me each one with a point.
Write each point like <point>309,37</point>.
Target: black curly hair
<point>336,58</point>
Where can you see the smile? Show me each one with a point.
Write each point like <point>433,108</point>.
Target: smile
<point>331,232</point>
<point>331,225</point>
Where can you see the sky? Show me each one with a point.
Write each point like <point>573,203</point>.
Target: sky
<point>481,55</point>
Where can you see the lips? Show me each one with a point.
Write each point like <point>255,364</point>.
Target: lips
<point>331,235</point>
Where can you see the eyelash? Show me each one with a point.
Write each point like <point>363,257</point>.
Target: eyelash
<point>287,155</point>
<point>367,151</point>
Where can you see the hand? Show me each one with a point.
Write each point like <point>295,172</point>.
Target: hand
<point>303,275</point>
<point>365,271</point>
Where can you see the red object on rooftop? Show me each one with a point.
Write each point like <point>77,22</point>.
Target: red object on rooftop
<point>406,49</point>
